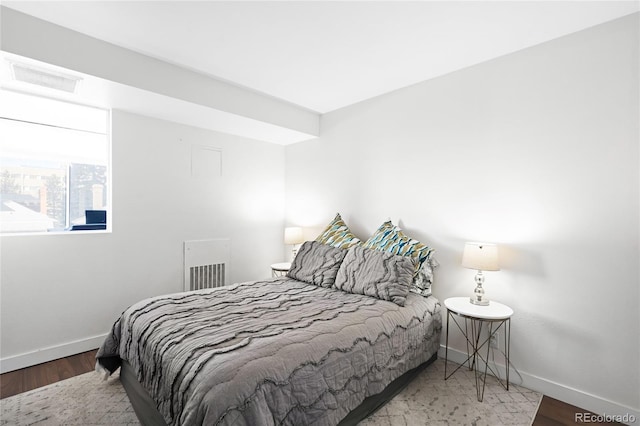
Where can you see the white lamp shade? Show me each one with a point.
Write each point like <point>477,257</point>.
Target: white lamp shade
<point>480,256</point>
<point>293,235</point>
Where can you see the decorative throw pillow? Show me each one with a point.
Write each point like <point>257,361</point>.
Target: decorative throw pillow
<point>383,237</point>
<point>338,234</point>
<point>422,281</point>
<point>317,263</point>
<point>375,273</point>
<point>388,237</point>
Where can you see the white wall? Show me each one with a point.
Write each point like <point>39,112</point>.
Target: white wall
<point>61,293</point>
<point>537,151</point>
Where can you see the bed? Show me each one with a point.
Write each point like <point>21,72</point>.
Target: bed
<point>278,351</point>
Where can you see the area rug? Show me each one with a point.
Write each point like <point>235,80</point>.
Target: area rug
<point>428,400</point>
<point>431,400</point>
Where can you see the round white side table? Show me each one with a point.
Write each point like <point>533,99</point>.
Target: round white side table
<point>280,269</point>
<point>493,316</point>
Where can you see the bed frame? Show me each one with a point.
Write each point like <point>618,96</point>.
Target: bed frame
<point>148,415</point>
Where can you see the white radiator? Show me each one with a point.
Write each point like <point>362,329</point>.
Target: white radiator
<point>206,263</point>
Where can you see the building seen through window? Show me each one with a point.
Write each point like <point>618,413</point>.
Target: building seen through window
<point>54,163</point>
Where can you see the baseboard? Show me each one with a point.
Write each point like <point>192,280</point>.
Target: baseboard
<point>50,353</point>
<point>581,399</point>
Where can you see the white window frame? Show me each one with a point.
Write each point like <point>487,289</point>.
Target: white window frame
<point>108,207</point>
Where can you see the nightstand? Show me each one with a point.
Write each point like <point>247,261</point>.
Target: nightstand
<point>493,317</point>
<point>280,269</point>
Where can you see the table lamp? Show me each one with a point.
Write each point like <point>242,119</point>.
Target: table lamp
<point>481,257</point>
<point>293,236</point>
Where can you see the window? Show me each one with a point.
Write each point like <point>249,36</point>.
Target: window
<point>54,163</point>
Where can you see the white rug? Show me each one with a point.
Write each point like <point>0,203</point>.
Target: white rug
<point>431,400</point>
<point>81,400</point>
<point>428,400</point>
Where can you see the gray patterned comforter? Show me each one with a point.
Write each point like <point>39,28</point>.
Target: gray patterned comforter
<point>269,352</point>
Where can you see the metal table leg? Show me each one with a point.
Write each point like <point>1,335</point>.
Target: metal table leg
<point>474,346</point>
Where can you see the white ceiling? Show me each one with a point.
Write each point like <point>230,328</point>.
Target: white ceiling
<point>325,55</point>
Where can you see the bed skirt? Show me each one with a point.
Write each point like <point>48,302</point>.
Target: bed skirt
<point>148,415</point>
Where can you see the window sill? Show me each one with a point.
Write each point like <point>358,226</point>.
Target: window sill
<point>60,232</point>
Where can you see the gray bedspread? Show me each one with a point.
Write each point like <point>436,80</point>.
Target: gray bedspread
<point>269,352</point>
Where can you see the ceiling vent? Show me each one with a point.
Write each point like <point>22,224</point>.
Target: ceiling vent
<point>46,78</point>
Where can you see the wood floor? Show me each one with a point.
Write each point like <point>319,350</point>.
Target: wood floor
<point>26,379</point>
<point>551,412</point>
<point>554,413</point>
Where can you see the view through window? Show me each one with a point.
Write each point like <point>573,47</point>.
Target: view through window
<point>54,163</point>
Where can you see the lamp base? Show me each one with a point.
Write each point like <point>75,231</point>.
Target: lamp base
<point>478,293</point>
<point>481,302</point>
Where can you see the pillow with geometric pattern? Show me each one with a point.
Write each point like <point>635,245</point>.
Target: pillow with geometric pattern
<point>338,234</point>
<point>389,238</point>
<point>422,282</point>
